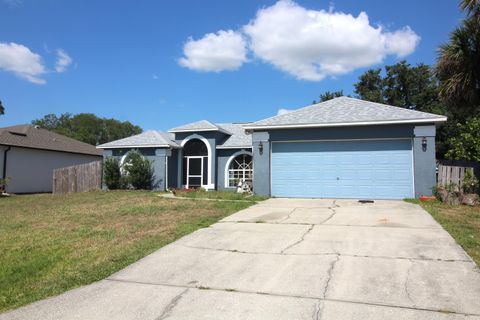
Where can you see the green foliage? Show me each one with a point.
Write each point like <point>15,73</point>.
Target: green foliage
<point>329,95</point>
<point>2,109</point>
<point>370,86</point>
<point>139,170</point>
<point>470,182</point>
<point>458,70</point>
<point>3,183</point>
<point>404,85</point>
<point>112,173</point>
<point>465,144</point>
<point>87,127</point>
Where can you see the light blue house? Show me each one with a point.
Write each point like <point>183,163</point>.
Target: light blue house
<point>341,148</point>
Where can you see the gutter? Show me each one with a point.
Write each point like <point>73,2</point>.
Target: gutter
<point>342,124</point>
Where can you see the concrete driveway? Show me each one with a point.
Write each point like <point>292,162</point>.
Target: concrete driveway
<point>290,259</point>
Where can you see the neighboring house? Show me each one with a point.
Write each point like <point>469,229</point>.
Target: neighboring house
<point>341,148</point>
<point>29,154</point>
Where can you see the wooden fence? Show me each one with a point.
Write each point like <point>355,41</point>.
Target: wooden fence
<point>452,171</point>
<point>79,178</point>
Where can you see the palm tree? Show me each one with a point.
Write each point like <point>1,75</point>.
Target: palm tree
<point>472,7</point>
<point>458,67</point>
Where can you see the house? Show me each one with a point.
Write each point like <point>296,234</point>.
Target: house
<point>341,148</point>
<point>29,154</point>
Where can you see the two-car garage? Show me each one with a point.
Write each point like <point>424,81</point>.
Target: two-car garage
<point>360,169</point>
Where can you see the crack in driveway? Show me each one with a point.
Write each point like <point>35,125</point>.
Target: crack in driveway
<point>169,308</point>
<point>299,241</point>
<point>329,275</point>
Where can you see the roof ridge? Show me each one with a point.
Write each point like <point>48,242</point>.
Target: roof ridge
<point>388,105</point>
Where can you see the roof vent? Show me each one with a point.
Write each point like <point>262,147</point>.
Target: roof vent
<point>36,126</point>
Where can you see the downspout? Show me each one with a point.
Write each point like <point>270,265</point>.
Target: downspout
<point>4,170</point>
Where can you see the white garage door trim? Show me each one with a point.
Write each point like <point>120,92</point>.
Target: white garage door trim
<point>340,140</point>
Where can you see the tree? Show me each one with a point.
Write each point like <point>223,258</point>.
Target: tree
<point>404,85</point>
<point>111,173</point>
<point>472,7</point>
<point>87,127</point>
<point>465,144</point>
<point>328,95</point>
<point>370,86</point>
<point>2,109</point>
<point>458,69</point>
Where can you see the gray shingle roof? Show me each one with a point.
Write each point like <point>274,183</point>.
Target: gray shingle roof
<point>145,139</point>
<point>346,111</point>
<point>238,138</point>
<point>202,125</point>
<point>29,136</point>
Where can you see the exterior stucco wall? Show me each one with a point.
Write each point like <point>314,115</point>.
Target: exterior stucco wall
<point>223,155</point>
<point>158,156</point>
<point>31,170</point>
<point>424,161</point>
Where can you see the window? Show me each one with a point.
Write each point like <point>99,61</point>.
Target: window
<point>240,168</point>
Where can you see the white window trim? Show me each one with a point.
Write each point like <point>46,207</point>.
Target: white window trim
<point>227,166</point>
<point>209,185</point>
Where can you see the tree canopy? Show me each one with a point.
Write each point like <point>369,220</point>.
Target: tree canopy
<point>87,127</point>
<point>2,109</point>
<point>329,95</point>
<point>403,85</point>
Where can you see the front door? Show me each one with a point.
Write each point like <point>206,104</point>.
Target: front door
<point>194,172</point>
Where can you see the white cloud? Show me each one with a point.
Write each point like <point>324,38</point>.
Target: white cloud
<point>224,50</point>
<point>63,61</point>
<point>312,45</point>
<point>24,63</point>
<point>308,44</point>
<point>283,111</point>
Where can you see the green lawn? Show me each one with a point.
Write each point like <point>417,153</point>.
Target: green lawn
<point>49,244</point>
<point>462,222</point>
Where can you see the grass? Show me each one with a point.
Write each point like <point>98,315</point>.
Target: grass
<point>219,195</point>
<point>462,222</point>
<point>49,244</point>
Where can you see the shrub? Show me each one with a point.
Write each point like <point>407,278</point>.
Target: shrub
<point>111,173</point>
<point>3,184</point>
<point>139,171</point>
<point>470,182</point>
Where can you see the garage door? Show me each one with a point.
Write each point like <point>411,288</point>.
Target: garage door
<point>379,169</point>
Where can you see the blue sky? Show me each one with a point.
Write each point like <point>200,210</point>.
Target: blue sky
<point>123,59</point>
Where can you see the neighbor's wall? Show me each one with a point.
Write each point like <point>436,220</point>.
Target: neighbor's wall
<point>31,170</point>
<point>424,161</point>
<point>156,155</point>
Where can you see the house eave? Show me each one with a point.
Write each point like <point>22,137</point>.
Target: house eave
<point>198,130</point>
<point>345,124</point>
<point>138,146</point>
<point>234,147</point>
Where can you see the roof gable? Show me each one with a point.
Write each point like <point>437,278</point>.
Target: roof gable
<point>346,111</point>
<point>202,125</point>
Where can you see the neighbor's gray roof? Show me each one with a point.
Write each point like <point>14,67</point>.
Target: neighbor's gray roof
<point>344,111</point>
<point>238,138</point>
<point>202,125</point>
<point>145,139</point>
<point>29,136</point>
